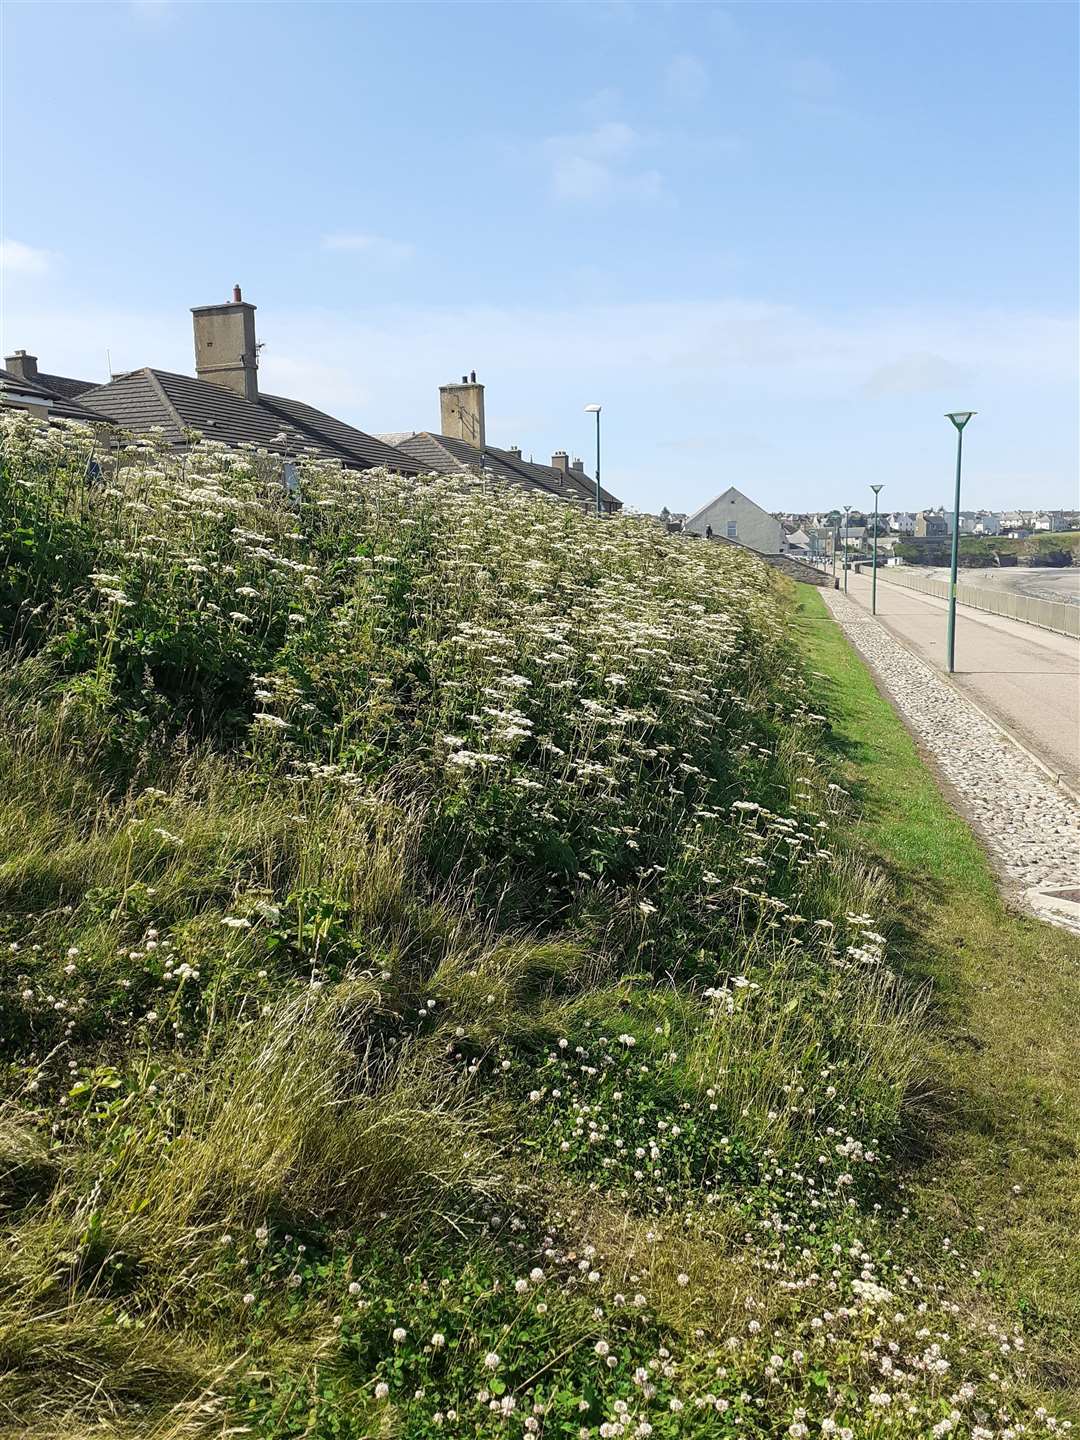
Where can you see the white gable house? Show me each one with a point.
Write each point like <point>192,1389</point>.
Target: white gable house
<point>734,516</point>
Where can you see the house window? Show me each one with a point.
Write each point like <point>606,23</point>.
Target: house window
<point>732,529</point>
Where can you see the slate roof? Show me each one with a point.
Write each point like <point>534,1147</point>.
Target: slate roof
<point>367,450</point>
<point>569,484</point>
<point>11,386</point>
<point>180,403</point>
<point>65,385</point>
<point>447,455</point>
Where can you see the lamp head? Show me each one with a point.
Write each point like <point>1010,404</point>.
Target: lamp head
<point>877,489</point>
<point>592,409</point>
<point>961,417</point>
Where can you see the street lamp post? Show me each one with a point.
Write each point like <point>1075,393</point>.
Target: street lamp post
<point>847,542</point>
<point>595,410</point>
<point>959,418</point>
<point>873,581</point>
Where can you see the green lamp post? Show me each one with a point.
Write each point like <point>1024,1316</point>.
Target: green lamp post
<point>595,410</point>
<point>847,542</point>
<point>873,574</point>
<point>959,418</point>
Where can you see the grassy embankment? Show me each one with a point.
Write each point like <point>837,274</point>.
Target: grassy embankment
<point>1003,1154</point>
<point>443,988</point>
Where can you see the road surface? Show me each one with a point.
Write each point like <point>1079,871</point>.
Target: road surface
<point>1027,679</point>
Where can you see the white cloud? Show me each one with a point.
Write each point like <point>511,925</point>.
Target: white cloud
<point>600,165</point>
<point>686,78</point>
<point>914,373</point>
<point>19,259</point>
<point>378,248</point>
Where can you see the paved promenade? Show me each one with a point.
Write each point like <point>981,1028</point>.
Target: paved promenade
<point>1030,825</point>
<point>1026,678</point>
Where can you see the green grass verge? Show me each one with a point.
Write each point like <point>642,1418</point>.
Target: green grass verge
<point>1002,1169</point>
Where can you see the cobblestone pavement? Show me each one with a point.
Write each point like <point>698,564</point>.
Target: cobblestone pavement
<point>1030,826</point>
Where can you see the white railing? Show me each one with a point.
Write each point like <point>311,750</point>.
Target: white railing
<point>1054,615</point>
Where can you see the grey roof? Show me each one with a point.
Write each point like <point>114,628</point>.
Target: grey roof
<point>65,385</point>
<point>365,450</point>
<point>447,455</point>
<point>181,403</point>
<point>571,484</point>
<point>11,386</point>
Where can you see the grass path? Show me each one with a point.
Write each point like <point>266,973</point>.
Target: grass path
<point>1002,1160</point>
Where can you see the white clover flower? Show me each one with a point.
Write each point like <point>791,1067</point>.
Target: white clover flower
<point>399,1334</point>
<point>492,1361</point>
<point>382,1390</point>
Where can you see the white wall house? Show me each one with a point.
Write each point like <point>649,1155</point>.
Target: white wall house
<point>734,516</point>
<point>902,521</point>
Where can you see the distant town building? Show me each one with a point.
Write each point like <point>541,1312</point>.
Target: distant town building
<point>902,521</point>
<point>987,523</point>
<point>734,516</point>
<point>1049,520</point>
<point>931,524</point>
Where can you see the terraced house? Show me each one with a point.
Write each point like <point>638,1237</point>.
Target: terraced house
<point>461,442</point>
<point>223,401</point>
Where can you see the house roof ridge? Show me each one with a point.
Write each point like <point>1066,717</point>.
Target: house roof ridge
<point>159,390</point>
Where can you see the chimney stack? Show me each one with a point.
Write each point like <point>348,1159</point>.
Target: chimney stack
<point>578,465</point>
<point>22,365</point>
<point>561,461</point>
<point>515,451</point>
<point>225,349</point>
<point>461,411</point>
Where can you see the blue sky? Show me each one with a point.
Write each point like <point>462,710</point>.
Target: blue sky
<point>776,242</point>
